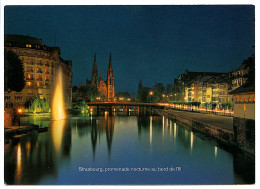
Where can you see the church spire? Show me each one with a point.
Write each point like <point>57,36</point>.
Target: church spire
<point>110,69</point>
<point>94,78</point>
<point>110,82</point>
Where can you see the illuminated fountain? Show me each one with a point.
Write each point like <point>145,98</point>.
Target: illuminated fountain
<point>58,113</point>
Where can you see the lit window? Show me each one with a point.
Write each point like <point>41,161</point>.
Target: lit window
<point>39,84</point>
<point>29,83</point>
<point>253,99</point>
<point>28,45</point>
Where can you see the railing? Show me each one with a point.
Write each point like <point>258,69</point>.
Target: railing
<point>202,110</point>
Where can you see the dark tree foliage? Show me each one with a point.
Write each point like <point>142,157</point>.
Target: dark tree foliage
<point>125,95</point>
<point>91,92</point>
<point>159,87</point>
<point>14,72</point>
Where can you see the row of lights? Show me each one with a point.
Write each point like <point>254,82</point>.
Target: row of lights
<point>120,98</point>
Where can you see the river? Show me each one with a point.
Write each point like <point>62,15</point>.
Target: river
<point>122,150</point>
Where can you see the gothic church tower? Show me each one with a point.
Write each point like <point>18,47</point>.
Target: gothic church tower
<point>110,82</point>
<point>94,78</point>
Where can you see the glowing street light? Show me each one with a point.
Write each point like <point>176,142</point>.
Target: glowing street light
<point>151,93</point>
<point>163,95</point>
<point>20,110</point>
<point>129,99</point>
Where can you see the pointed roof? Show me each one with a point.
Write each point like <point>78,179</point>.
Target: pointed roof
<point>94,69</point>
<point>110,69</point>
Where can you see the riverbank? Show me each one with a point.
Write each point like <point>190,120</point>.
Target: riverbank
<point>14,133</point>
<point>219,127</point>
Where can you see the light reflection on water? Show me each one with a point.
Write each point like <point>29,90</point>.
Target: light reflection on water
<point>53,157</point>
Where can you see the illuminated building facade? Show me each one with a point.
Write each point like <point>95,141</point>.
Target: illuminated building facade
<point>40,67</point>
<point>210,89</point>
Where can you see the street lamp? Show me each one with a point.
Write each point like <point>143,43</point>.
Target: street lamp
<point>151,93</point>
<point>19,115</point>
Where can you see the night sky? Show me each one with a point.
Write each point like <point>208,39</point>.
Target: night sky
<point>151,43</point>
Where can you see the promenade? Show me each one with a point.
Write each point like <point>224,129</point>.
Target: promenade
<point>216,121</point>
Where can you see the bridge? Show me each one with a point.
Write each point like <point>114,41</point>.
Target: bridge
<point>126,105</point>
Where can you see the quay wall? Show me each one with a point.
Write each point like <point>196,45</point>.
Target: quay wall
<point>223,135</point>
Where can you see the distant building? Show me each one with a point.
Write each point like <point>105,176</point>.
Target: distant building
<point>40,65</point>
<point>185,79</point>
<point>105,88</point>
<point>210,89</point>
<point>241,74</point>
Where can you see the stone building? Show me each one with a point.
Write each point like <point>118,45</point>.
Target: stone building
<point>210,89</point>
<point>244,117</point>
<point>40,66</point>
<point>241,74</point>
<point>185,79</point>
<point>105,88</point>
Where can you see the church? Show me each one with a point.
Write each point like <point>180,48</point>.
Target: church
<point>105,88</point>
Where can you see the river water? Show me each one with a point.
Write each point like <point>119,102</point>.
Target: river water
<point>124,150</point>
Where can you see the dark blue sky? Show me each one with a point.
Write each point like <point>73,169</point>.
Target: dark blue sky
<point>152,43</point>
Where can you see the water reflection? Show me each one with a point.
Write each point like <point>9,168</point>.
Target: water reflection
<point>57,131</point>
<point>119,141</point>
<point>18,164</point>
<point>37,154</point>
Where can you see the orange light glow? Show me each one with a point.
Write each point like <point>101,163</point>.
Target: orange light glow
<point>20,110</point>
<point>151,92</point>
<point>58,105</point>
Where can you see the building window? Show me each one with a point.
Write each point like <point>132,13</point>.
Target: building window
<point>38,77</point>
<point>39,84</point>
<point>28,45</point>
<point>29,76</point>
<point>253,99</point>
<point>38,70</point>
<point>28,69</point>
<point>39,62</point>
<point>29,84</point>
<point>19,98</point>
<point>7,98</point>
<point>46,70</point>
<point>46,78</point>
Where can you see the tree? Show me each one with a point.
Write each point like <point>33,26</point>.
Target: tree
<point>82,106</point>
<point>206,105</point>
<point>224,106</point>
<point>230,105</point>
<point>91,92</point>
<point>14,72</point>
<point>213,105</point>
<point>37,105</point>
